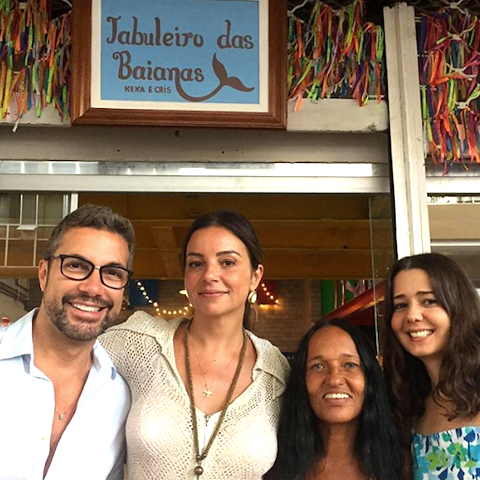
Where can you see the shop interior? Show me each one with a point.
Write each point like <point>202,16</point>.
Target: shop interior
<point>320,251</point>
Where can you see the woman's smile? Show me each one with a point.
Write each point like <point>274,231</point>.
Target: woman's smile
<point>420,323</point>
<point>335,379</point>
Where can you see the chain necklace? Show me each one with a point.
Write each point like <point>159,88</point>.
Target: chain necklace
<point>209,391</point>
<point>199,457</point>
<point>61,416</point>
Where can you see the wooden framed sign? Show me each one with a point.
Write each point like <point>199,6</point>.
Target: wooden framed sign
<point>179,62</point>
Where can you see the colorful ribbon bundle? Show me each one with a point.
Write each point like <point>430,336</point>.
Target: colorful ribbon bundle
<point>449,60</point>
<point>34,58</point>
<point>335,53</point>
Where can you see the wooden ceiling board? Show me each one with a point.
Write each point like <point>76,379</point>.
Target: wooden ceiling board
<point>330,264</point>
<point>173,265</point>
<point>303,236</point>
<point>19,272</point>
<point>118,203</point>
<point>165,239</point>
<point>169,234</point>
<point>144,235</point>
<point>253,206</point>
<point>148,263</point>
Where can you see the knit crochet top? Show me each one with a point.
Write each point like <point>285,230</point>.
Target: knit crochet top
<point>159,427</point>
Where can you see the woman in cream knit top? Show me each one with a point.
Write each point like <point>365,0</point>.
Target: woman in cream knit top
<point>211,354</point>
<point>159,427</point>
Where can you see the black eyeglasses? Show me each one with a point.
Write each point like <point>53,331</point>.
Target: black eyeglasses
<point>78,268</point>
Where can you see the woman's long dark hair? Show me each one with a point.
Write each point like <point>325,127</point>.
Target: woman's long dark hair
<point>300,444</point>
<point>237,224</point>
<point>459,378</point>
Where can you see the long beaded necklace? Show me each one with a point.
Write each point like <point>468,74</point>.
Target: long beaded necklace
<point>199,457</point>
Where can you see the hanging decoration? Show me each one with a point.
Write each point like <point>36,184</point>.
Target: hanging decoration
<point>449,60</point>
<point>266,295</point>
<point>334,53</point>
<point>34,59</point>
<point>163,311</point>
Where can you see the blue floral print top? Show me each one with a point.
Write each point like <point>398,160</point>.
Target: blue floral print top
<point>449,455</point>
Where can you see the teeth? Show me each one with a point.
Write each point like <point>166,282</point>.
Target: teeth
<point>336,395</point>
<point>86,308</point>
<point>421,333</point>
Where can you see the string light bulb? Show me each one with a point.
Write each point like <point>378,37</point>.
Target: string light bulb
<point>268,295</point>
<point>166,311</point>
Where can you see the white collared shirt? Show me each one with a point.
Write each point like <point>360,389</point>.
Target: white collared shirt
<point>92,446</point>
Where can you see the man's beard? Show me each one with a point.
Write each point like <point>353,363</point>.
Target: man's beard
<point>58,316</point>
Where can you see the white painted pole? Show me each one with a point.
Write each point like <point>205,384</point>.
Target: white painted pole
<point>408,164</point>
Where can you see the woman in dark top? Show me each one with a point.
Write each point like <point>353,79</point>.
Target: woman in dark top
<point>336,422</point>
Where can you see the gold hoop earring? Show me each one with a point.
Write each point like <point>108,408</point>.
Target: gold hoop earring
<point>252,297</point>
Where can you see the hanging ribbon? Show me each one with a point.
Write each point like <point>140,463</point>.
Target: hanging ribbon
<point>335,53</point>
<point>449,61</point>
<point>34,59</point>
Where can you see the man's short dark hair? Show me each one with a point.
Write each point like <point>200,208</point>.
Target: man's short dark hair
<point>92,216</point>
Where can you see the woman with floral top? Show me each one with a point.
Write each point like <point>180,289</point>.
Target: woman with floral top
<point>432,361</point>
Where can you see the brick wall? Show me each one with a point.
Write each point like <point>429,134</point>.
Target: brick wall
<point>285,324</point>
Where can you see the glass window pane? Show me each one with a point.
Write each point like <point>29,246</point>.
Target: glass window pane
<point>50,209</point>
<point>29,209</point>
<point>9,208</point>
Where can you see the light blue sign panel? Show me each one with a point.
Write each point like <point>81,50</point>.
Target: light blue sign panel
<point>202,51</point>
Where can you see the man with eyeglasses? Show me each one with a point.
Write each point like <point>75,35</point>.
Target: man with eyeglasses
<point>65,404</point>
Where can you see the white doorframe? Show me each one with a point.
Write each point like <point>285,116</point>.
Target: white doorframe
<point>406,135</point>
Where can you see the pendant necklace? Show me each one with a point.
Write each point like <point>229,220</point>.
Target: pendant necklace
<point>199,457</point>
<point>60,415</point>
<point>210,391</point>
